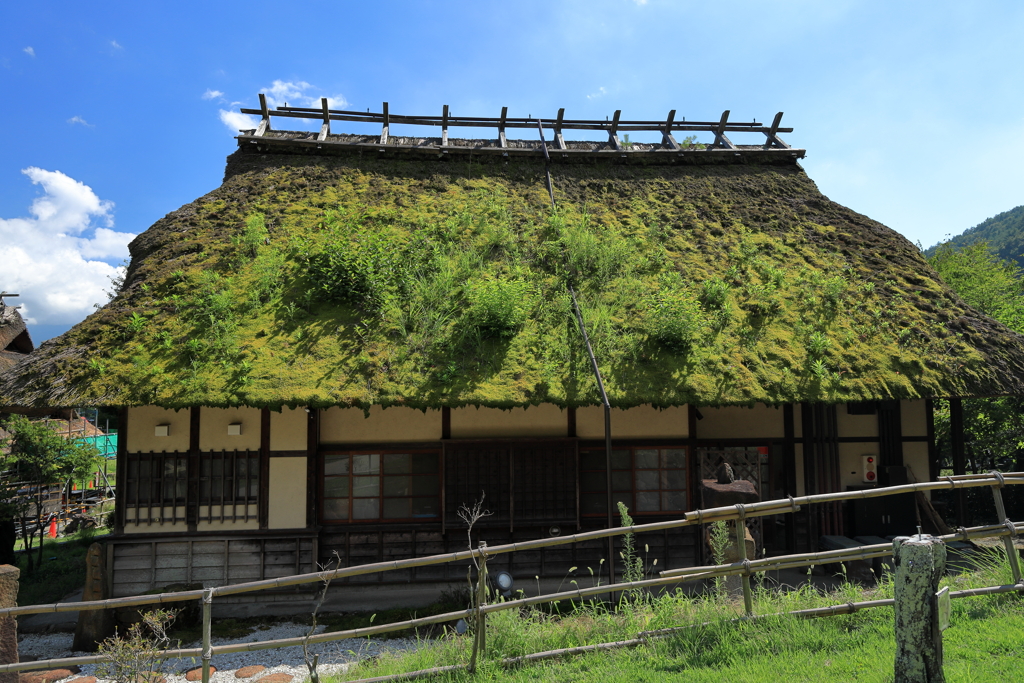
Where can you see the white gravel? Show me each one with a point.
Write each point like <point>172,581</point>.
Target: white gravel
<point>335,656</point>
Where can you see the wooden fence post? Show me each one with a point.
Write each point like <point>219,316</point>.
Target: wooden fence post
<point>207,627</point>
<point>480,634</point>
<point>920,562</point>
<point>1012,555</point>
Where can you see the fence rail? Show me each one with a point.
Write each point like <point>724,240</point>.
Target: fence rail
<point>1005,529</point>
<point>612,126</point>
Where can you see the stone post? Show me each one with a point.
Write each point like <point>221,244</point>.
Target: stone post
<point>94,626</point>
<point>920,561</point>
<point>9,576</point>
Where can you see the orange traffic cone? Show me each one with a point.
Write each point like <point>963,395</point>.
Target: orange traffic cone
<point>53,527</point>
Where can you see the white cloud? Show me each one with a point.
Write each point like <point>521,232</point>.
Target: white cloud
<point>299,95</point>
<point>237,121</point>
<point>280,93</point>
<point>57,258</point>
<point>116,45</point>
<point>78,119</point>
<point>30,51</point>
<point>640,2</point>
<point>601,92</point>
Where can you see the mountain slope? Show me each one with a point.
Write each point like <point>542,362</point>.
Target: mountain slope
<point>1004,234</point>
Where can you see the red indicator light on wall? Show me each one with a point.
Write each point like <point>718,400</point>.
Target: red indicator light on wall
<point>869,470</point>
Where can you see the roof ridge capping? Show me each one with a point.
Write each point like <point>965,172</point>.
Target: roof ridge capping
<point>267,138</point>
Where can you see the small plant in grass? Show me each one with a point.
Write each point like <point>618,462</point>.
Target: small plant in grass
<point>632,565</point>
<point>719,540</point>
<point>135,657</point>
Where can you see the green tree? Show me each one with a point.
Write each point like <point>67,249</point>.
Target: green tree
<point>38,457</point>
<point>994,427</point>
<point>992,285</point>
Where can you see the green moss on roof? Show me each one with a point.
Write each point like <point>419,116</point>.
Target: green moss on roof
<point>361,281</point>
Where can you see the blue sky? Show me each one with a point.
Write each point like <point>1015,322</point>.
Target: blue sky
<point>117,113</point>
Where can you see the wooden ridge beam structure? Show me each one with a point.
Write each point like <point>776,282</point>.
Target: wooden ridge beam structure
<point>613,128</point>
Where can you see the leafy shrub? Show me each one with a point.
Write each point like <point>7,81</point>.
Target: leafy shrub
<point>817,344</point>
<point>675,318</point>
<point>590,251</point>
<point>254,234</point>
<point>714,293</point>
<point>363,268</point>
<point>499,306</point>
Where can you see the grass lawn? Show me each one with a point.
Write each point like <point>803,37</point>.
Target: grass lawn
<point>61,572</point>
<point>985,641</point>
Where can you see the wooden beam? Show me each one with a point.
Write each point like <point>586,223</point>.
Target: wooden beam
<point>772,134</point>
<point>444,127</point>
<point>613,136</point>
<point>502,142</point>
<point>265,113</point>
<point>325,127</point>
<point>719,131</point>
<point>385,130</point>
<point>667,138</point>
<point>558,129</point>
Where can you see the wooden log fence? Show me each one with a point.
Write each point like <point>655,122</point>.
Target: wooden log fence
<point>1005,529</point>
<point>612,127</point>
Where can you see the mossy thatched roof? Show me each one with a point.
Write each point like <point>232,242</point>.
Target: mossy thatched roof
<point>361,280</point>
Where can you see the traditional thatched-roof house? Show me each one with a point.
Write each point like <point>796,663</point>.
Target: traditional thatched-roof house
<point>353,335</point>
<point>15,342</point>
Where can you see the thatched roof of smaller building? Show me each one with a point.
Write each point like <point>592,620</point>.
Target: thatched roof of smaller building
<point>15,342</point>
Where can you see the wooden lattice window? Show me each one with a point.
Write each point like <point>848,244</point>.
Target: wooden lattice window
<point>229,483</point>
<point>646,480</point>
<point>383,486</point>
<point>531,482</point>
<point>157,482</point>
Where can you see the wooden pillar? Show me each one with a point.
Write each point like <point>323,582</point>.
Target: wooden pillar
<point>121,476</point>
<point>263,502</point>
<point>933,449</point>
<point>789,464</point>
<point>312,462</point>
<point>192,495</point>
<point>957,444</point>
<point>920,562</point>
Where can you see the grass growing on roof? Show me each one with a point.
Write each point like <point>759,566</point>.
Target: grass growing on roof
<point>361,282</point>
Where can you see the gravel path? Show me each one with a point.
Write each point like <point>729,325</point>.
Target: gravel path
<point>334,656</point>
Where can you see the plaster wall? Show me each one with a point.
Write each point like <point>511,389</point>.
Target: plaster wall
<point>914,418</point>
<point>227,525</point>
<point>850,463</point>
<point>288,429</point>
<point>915,457</point>
<point>737,422</point>
<point>213,429</point>
<point>543,420</point>
<point>287,495</point>
<point>137,521</point>
<point>640,422</point>
<point>860,426</point>
<point>346,425</point>
<point>142,422</point>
